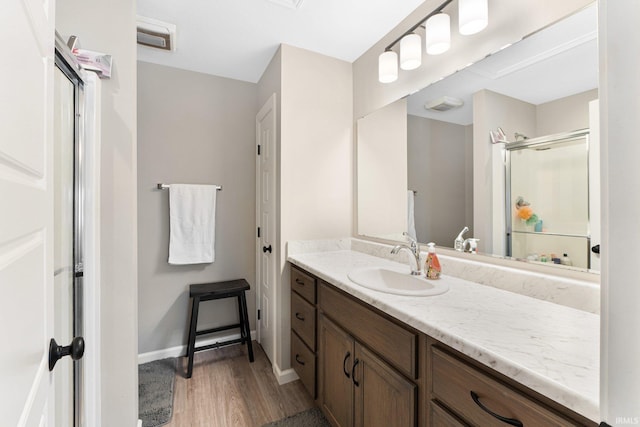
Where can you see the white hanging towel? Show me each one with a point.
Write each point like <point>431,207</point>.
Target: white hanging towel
<point>411,220</point>
<point>192,223</point>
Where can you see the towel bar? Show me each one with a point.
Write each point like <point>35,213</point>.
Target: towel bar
<point>167,186</point>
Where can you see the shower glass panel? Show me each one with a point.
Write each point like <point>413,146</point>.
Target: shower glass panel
<point>548,199</point>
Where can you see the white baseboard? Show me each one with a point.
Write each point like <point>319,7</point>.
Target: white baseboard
<point>139,423</point>
<point>181,350</point>
<point>285,376</point>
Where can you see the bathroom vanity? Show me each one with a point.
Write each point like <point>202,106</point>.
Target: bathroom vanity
<point>474,355</point>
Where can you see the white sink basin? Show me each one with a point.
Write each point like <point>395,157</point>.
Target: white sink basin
<point>395,282</point>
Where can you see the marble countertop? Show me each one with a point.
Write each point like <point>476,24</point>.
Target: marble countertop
<point>547,347</point>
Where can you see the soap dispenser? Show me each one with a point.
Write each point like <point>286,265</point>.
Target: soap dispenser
<point>432,267</point>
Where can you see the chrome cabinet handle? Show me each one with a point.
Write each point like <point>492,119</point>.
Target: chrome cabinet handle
<point>510,421</point>
<point>344,365</point>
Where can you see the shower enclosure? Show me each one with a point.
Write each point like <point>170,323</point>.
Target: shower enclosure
<point>547,199</point>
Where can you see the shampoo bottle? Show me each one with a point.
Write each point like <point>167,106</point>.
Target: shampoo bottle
<point>432,267</point>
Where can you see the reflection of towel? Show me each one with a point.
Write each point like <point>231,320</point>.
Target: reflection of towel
<point>192,222</point>
<point>411,221</point>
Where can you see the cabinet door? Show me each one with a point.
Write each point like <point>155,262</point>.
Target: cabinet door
<point>383,397</point>
<point>336,362</point>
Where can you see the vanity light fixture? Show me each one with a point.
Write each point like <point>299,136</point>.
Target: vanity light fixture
<point>437,37</point>
<point>438,34</point>
<point>410,51</point>
<point>473,16</point>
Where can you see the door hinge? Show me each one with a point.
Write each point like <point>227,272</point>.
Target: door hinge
<point>258,231</point>
<point>258,149</point>
<point>258,314</point>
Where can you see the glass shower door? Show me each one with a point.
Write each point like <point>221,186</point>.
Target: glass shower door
<point>548,199</point>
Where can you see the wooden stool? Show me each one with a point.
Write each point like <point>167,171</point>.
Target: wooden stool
<point>218,290</point>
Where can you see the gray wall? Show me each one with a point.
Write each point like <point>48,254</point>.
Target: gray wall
<point>108,27</point>
<point>193,128</point>
<point>564,114</point>
<point>438,154</point>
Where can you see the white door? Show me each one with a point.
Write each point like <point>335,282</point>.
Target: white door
<point>266,219</point>
<point>26,200</point>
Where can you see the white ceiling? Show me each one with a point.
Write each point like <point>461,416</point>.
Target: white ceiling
<point>237,38</point>
<point>559,61</point>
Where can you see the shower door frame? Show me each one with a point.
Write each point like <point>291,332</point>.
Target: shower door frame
<point>88,128</point>
<point>69,68</point>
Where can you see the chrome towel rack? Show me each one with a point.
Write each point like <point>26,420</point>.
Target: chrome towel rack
<point>167,186</point>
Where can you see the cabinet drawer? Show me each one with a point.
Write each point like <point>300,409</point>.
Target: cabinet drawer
<point>303,320</point>
<point>303,361</point>
<point>454,381</point>
<point>303,284</point>
<point>394,343</point>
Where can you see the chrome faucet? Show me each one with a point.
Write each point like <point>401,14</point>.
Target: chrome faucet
<point>458,243</point>
<point>414,248</point>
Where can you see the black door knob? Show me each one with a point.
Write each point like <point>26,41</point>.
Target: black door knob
<point>595,249</point>
<point>266,249</point>
<point>57,352</point>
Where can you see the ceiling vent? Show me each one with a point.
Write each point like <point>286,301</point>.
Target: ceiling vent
<point>156,34</point>
<point>445,103</point>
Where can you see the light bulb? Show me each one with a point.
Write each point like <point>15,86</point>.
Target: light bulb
<point>438,34</point>
<point>410,52</point>
<point>473,16</point>
<point>388,67</point>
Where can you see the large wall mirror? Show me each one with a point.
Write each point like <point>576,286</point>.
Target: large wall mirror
<point>427,164</point>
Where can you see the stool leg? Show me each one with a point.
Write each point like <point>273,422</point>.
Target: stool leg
<point>245,324</point>
<point>243,335</point>
<point>191,345</point>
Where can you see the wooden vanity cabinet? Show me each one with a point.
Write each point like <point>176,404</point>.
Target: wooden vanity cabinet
<point>367,369</point>
<point>356,386</point>
<point>303,328</point>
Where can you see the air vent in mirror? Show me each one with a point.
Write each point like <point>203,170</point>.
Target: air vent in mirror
<point>445,103</point>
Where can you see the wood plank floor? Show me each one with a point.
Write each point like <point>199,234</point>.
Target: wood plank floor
<point>228,391</point>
